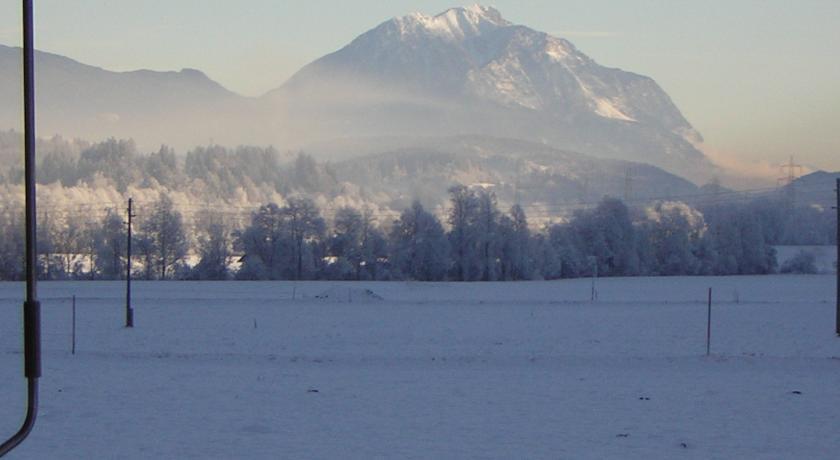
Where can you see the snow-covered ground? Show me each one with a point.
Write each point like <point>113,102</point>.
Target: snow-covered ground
<point>432,370</point>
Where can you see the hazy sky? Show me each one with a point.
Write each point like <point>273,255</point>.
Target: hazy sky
<point>759,79</point>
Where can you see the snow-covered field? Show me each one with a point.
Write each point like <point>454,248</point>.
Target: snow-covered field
<point>438,370</point>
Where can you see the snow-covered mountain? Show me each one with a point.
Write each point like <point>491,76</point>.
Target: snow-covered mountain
<point>470,71</point>
<point>464,72</point>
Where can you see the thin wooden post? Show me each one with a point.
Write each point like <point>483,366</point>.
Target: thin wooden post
<point>709,326</point>
<point>73,348</point>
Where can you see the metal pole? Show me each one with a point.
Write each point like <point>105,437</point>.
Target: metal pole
<point>709,326</point>
<point>129,311</point>
<point>31,306</point>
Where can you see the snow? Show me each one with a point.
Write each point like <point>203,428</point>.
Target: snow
<point>348,294</point>
<point>607,109</point>
<point>555,50</point>
<point>505,81</point>
<point>432,370</point>
<point>456,23</point>
<point>601,105</point>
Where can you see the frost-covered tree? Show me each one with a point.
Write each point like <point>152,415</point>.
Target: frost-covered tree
<point>45,232</point>
<point>115,160</point>
<point>57,166</point>
<point>802,263</point>
<point>739,242</point>
<point>345,243</point>
<point>373,248</point>
<point>111,242</point>
<point>607,233</point>
<point>163,167</point>
<point>283,243</point>
<point>305,228</point>
<point>419,247</point>
<point>547,264</point>
<point>357,245</point>
<point>214,248</point>
<point>517,262</point>
<point>11,243</point>
<point>164,230</point>
<point>567,249</point>
<point>673,231</point>
<point>488,237</point>
<point>261,242</point>
<point>68,244</point>
<point>462,236</point>
<point>144,251</point>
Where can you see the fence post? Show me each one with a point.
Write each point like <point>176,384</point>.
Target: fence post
<point>73,348</point>
<point>709,326</point>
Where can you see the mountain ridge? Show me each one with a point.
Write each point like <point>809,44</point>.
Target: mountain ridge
<point>486,76</point>
<point>465,71</point>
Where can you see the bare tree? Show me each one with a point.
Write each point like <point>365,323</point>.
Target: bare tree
<point>304,224</point>
<point>165,230</point>
<point>111,246</point>
<point>214,247</point>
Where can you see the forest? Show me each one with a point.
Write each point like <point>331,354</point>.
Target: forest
<point>252,213</point>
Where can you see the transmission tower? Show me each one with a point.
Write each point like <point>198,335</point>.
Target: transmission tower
<point>628,185</point>
<point>790,172</point>
<point>584,194</point>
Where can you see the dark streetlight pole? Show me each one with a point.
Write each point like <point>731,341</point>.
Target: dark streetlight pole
<point>31,306</point>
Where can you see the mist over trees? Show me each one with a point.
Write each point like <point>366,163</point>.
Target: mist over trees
<point>481,243</point>
<point>195,220</point>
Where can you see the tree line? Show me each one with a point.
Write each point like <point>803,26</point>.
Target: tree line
<point>476,241</point>
<point>217,172</point>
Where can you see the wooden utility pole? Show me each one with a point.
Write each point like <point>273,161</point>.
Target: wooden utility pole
<point>837,263</point>
<point>129,312</point>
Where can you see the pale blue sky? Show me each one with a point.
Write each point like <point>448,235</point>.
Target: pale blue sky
<point>759,79</point>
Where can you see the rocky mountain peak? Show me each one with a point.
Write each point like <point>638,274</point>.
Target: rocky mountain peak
<point>455,23</point>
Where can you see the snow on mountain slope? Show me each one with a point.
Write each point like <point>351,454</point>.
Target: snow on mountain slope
<point>456,23</point>
<point>477,52</point>
<point>466,71</point>
<point>470,71</point>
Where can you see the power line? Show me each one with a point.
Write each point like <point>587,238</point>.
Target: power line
<point>89,212</point>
